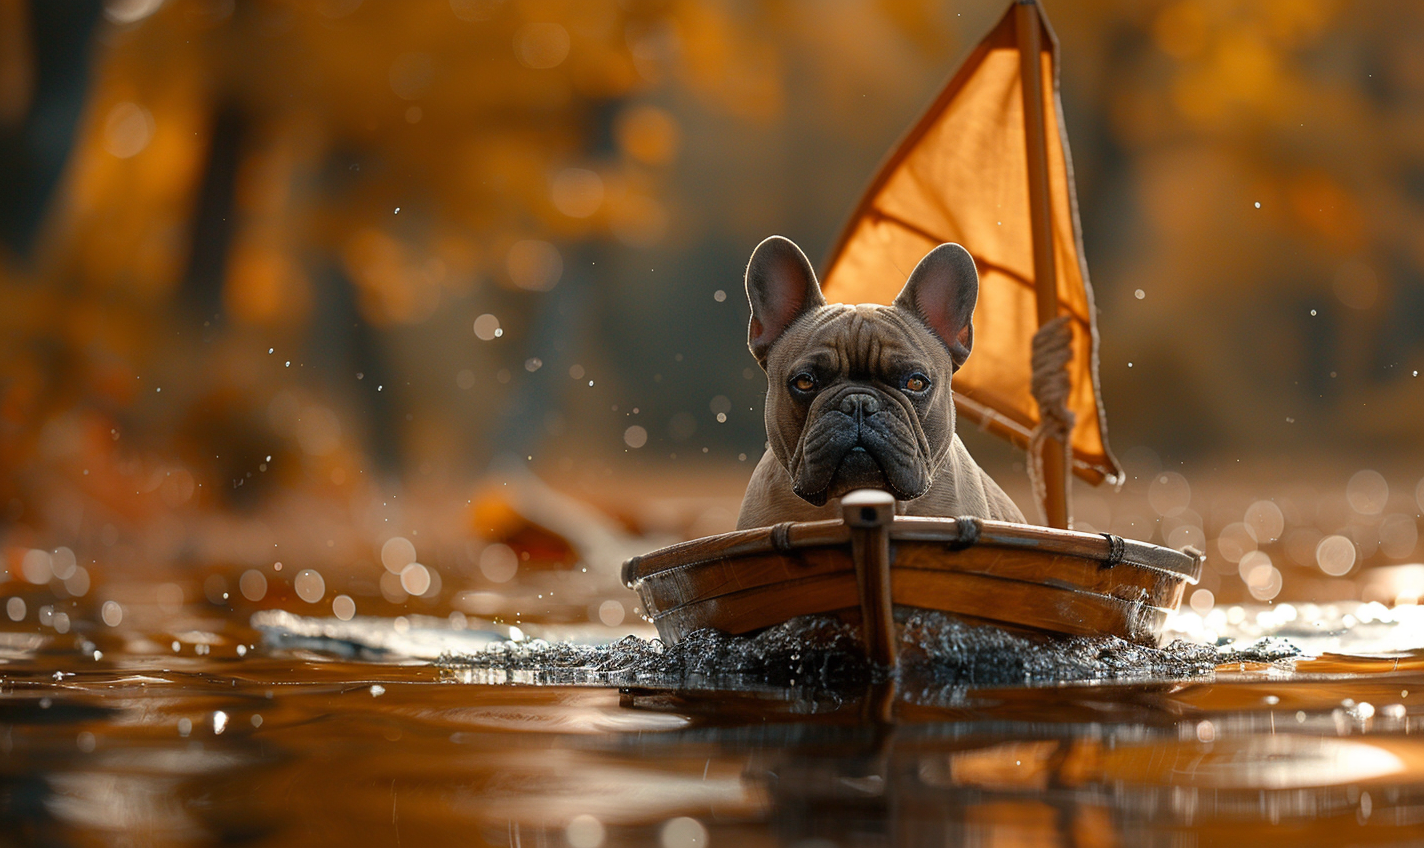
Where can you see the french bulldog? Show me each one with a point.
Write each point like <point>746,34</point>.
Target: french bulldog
<point>859,396</point>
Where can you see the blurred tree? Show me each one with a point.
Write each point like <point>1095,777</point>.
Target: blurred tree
<point>446,218</point>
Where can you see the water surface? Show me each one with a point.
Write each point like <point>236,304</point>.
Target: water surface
<point>199,728</point>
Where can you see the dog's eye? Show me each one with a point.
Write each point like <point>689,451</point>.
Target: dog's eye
<point>804,382</point>
<point>917,383</point>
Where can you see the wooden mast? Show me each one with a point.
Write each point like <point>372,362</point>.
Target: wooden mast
<point>1029,28</point>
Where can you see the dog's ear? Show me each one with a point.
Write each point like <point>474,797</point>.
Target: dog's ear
<point>941,292</point>
<point>781,287</point>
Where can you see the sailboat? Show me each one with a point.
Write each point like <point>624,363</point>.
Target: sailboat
<point>986,166</point>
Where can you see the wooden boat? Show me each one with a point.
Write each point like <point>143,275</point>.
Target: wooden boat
<point>959,176</point>
<point>873,560</point>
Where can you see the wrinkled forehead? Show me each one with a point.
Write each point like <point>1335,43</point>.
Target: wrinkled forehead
<point>864,337</point>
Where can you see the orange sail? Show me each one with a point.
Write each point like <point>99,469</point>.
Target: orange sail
<point>963,175</point>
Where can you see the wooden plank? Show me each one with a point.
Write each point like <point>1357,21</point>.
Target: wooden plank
<point>1029,604</point>
<point>763,540</point>
<point>672,588</point>
<point>758,540</point>
<point>992,598</point>
<point>758,609</point>
<point>1068,572</point>
<point>1070,542</point>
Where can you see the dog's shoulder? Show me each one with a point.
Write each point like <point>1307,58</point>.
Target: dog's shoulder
<point>961,487</point>
<point>770,500</point>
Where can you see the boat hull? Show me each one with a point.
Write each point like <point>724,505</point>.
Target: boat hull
<point>1054,580</point>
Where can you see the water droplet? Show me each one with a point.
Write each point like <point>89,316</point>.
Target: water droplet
<point>1367,492</point>
<point>499,563</point>
<point>635,436</point>
<point>487,327</point>
<point>309,585</point>
<point>343,607</point>
<point>683,832</point>
<point>1335,555</point>
<point>611,613</point>
<point>252,584</point>
<point>584,831</point>
<point>35,565</point>
<point>415,579</point>
<point>397,553</point>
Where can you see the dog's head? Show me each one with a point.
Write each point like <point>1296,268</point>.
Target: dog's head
<point>858,396</point>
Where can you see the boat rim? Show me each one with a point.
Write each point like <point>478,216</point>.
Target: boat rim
<point>1109,549</point>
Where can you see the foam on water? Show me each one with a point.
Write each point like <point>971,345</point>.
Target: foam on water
<point>824,652</point>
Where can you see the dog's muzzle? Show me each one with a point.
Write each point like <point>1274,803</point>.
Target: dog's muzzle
<point>859,439</point>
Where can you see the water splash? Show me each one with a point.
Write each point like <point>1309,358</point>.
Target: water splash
<point>825,652</point>
<point>815,651</point>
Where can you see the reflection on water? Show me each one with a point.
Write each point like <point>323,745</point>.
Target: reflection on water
<point>205,732</point>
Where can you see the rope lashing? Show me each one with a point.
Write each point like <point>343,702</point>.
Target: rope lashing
<point>969,529</point>
<point>1117,549</point>
<point>781,537</point>
<point>1052,351</point>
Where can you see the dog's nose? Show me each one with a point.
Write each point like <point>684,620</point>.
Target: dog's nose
<point>859,403</point>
